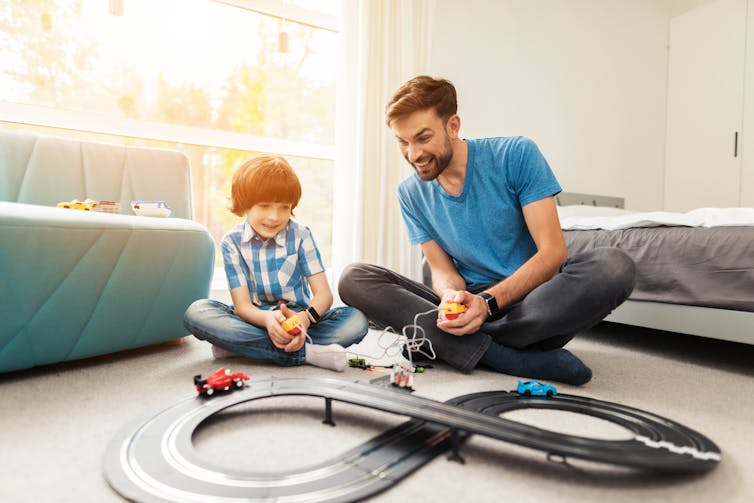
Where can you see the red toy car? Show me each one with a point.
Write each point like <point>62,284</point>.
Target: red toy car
<point>222,380</point>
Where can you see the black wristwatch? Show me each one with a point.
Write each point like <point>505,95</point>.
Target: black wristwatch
<point>492,310</point>
<point>312,314</point>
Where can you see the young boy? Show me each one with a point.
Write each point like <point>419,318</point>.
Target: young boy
<point>274,271</point>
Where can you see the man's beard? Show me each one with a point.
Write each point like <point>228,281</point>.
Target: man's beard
<point>442,161</point>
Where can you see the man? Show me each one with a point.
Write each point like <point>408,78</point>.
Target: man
<point>484,214</point>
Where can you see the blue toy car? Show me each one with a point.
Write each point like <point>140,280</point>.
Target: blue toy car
<point>535,388</point>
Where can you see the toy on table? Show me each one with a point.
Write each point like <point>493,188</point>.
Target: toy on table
<point>535,388</point>
<point>151,208</point>
<point>221,380</point>
<point>453,310</point>
<point>86,205</point>
<point>91,205</point>
<point>292,325</point>
<point>107,206</point>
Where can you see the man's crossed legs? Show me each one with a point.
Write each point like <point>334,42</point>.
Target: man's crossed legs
<point>528,340</point>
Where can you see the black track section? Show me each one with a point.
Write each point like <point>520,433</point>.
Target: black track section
<point>153,459</point>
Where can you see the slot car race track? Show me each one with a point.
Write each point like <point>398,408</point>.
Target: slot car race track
<point>153,459</point>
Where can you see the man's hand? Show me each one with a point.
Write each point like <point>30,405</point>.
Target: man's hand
<point>470,320</point>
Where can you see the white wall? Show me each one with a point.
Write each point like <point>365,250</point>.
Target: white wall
<point>678,7</point>
<point>586,79</point>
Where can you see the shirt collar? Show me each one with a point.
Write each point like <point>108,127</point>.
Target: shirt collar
<point>249,233</point>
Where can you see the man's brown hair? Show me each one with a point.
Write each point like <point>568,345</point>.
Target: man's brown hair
<point>265,178</point>
<point>422,93</point>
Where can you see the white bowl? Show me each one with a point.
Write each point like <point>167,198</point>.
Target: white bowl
<point>151,208</point>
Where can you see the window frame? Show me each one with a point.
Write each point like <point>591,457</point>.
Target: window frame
<point>47,116</point>
<point>91,122</point>
<point>289,12</point>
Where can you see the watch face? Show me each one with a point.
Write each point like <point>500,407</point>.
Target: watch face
<point>492,308</point>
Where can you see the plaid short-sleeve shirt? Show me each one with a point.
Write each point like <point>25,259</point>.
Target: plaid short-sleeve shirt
<point>274,270</point>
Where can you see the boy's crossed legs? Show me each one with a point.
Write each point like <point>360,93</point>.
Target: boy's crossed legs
<point>229,335</point>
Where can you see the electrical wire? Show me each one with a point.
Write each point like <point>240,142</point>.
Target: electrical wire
<point>413,343</point>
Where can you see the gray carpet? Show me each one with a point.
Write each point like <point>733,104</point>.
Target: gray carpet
<point>57,421</point>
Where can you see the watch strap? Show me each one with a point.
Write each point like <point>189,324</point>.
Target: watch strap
<point>492,308</point>
<point>312,314</point>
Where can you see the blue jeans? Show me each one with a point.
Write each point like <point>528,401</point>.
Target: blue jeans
<point>586,288</point>
<point>218,324</point>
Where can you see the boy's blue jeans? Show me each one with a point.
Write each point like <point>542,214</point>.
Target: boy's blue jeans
<point>218,324</point>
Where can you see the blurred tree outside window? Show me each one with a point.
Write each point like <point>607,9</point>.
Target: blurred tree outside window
<point>201,76</point>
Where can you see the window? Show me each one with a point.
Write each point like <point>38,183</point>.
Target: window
<point>219,80</point>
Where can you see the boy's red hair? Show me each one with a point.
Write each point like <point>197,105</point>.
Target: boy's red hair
<point>265,178</point>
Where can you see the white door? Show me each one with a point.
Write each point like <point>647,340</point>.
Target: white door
<point>705,106</point>
<point>747,145</point>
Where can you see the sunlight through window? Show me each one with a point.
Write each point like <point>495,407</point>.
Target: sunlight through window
<point>221,80</point>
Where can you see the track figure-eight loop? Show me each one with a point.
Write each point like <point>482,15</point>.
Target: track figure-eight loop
<point>154,459</point>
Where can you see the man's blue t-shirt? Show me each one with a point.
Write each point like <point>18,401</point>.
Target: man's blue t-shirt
<point>483,229</point>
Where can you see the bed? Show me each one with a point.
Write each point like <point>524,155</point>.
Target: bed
<point>695,270</point>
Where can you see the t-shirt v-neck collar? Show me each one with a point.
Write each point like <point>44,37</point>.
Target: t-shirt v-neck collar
<point>467,179</point>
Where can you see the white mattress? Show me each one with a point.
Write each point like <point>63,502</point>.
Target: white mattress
<point>584,217</point>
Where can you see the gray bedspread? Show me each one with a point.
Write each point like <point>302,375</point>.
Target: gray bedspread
<point>709,267</point>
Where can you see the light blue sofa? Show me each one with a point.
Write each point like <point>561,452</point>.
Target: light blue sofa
<point>75,284</point>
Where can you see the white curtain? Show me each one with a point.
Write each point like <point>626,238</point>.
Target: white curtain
<point>384,43</point>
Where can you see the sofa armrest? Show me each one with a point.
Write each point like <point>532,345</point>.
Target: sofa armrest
<point>75,283</point>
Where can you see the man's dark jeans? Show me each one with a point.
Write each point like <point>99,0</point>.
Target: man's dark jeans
<point>586,288</point>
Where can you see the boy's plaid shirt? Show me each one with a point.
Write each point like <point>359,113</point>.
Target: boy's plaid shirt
<point>274,270</point>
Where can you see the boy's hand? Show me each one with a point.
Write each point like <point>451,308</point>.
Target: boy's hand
<point>279,337</point>
<point>470,321</point>
<point>296,341</point>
